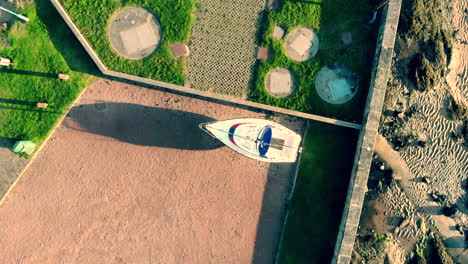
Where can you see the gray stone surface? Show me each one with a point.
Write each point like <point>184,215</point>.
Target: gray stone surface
<point>134,33</point>
<point>11,165</point>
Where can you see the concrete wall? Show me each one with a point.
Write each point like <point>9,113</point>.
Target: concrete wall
<point>185,90</point>
<point>365,147</point>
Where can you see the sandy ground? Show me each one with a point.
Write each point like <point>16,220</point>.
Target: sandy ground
<point>129,178</point>
<point>442,161</point>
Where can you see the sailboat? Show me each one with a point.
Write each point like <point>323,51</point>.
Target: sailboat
<point>258,139</point>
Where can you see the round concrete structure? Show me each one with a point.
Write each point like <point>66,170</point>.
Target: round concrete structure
<point>279,82</point>
<point>134,33</point>
<point>336,83</point>
<point>301,44</point>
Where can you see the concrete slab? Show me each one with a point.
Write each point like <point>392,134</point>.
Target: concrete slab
<point>301,44</point>
<point>280,82</point>
<point>336,83</point>
<point>278,32</point>
<point>180,50</point>
<point>263,53</point>
<point>11,165</point>
<point>134,33</point>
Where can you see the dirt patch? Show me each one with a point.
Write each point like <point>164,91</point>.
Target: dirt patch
<point>129,178</point>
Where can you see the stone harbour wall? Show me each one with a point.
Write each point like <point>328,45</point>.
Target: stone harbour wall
<point>365,147</point>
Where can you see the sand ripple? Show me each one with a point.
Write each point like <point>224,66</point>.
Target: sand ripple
<point>442,160</point>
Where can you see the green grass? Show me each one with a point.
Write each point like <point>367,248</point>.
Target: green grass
<point>328,19</point>
<point>318,201</point>
<point>175,17</point>
<point>41,49</point>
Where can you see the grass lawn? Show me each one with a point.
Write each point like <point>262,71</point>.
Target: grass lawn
<point>328,19</point>
<point>316,208</point>
<point>41,49</point>
<point>175,17</point>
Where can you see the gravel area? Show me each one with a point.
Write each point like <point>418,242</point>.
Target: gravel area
<point>129,178</point>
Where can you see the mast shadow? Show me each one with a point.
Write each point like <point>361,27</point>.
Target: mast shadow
<point>143,125</point>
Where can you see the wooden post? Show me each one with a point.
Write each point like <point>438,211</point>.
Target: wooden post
<point>42,105</point>
<point>64,77</point>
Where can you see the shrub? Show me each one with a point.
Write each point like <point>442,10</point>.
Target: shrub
<point>458,110</point>
<point>425,76</point>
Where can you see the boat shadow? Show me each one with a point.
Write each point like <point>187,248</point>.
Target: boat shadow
<point>143,125</point>
<point>274,206</point>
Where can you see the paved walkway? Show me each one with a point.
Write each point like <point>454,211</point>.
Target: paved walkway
<point>10,166</point>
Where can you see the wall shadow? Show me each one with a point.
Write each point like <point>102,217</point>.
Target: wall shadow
<point>17,102</point>
<point>6,142</point>
<point>30,73</point>
<point>432,210</point>
<point>64,40</point>
<point>272,216</point>
<point>143,125</point>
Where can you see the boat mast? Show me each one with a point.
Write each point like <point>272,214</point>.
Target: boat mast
<point>269,144</point>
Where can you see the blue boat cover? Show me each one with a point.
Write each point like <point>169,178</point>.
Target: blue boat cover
<point>264,139</point>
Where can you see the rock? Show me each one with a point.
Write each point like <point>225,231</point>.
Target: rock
<point>278,32</point>
<point>180,50</point>
<point>401,115</point>
<point>426,180</point>
<point>263,53</point>
<point>440,198</point>
<point>449,211</point>
<point>404,223</point>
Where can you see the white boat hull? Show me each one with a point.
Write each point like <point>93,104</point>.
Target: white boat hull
<point>258,139</point>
